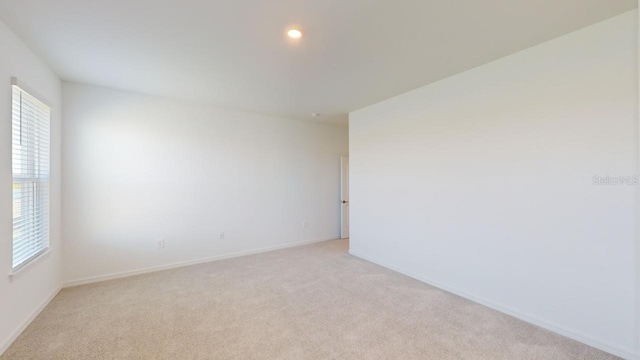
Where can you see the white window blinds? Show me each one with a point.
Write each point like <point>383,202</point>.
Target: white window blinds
<point>30,169</point>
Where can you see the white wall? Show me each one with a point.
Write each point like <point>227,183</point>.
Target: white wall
<point>140,168</point>
<point>22,299</point>
<point>482,184</point>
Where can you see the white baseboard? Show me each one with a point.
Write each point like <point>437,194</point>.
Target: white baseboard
<point>616,350</point>
<point>123,274</point>
<point>16,333</point>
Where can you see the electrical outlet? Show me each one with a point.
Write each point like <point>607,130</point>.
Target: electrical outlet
<point>161,244</point>
<point>221,237</point>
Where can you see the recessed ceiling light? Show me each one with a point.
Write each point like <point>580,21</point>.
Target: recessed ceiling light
<point>294,33</point>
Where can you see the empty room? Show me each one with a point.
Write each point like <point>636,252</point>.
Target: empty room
<point>353,179</point>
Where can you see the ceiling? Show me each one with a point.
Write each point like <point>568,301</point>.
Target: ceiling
<point>234,53</point>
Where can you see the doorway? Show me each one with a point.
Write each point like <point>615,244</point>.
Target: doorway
<point>344,191</point>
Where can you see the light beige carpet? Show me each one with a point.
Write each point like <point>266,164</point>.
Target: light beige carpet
<point>311,302</point>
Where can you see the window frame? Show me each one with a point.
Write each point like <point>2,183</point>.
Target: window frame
<point>35,180</point>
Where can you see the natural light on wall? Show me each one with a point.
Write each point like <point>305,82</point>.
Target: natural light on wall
<point>30,169</point>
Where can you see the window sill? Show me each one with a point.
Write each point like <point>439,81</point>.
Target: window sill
<point>17,273</point>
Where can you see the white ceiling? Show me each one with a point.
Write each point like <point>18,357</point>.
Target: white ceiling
<point>234,53</point>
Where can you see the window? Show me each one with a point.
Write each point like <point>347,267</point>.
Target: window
<point>30,170</point>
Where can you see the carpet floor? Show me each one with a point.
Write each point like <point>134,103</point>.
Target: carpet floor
<point>310,302</point>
